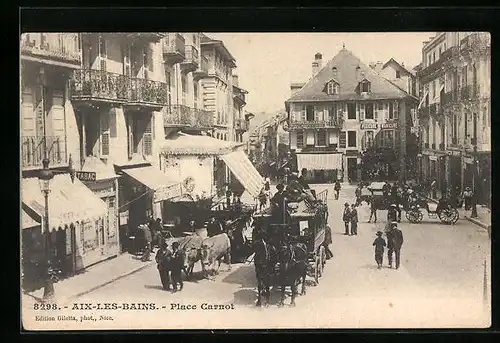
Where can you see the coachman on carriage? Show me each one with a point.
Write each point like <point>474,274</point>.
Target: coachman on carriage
<point>288,240</point>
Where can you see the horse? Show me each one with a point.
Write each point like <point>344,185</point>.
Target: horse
<point>264,262</point>
<point>292,269</point>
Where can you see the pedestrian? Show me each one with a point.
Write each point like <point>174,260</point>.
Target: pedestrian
<point>156,231</point>
<point>392,214</point>
<point>346,218</point>
<point>229,193</point>
<point>327,242</point>
<point>386,189</point>
<point>468,198</point>
<point>395,200</point>
<point>394,243</point>
<point>146,256</point>
<point>357,192</point>
<point>379,244</point>
<point>373,209</point>
<point>354,220</point>
<point>163,259</point>
<point>336,188</point>
<point>176,267</point>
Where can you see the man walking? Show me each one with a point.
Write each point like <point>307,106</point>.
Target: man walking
<point>336,188</point>
<point>346,218</point>
<point>357,192</point>
<point>394,243</point>
<point>163,257</point>
<point>354,220</point>
<point>327,242</point>
<point>147,240</point>
<point>395,200</point>
<point>373,210</point>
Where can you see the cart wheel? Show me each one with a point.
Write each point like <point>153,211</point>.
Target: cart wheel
<point>323,258</point>
<point>455,216</point>
<point>414,216</point>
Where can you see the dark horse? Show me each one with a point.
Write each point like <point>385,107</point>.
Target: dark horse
<point>264,261</point>
<point>292,269</point>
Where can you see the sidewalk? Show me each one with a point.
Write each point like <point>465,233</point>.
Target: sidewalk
<point>91,279</point>
<point>483,216</point>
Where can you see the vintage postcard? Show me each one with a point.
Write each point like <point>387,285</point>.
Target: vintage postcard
<point>188,180</point>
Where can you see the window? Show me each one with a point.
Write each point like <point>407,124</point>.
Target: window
<point>309,113</point>
<point>342,140</point>
<point>104,134</point>
<point>102,53</point>
<point>433,56</point>
<point>464,76</point>
<point>351,111</point>
<point>433,89</point>
<point>332,88</point>
<point>195,91</point>
<point>361,108</point>
<point>388,138</point>
<point>369,111</point>
<point>321,138</point>
<point>398,74</point>
<point>148,138</point>
<point>300,139</point>
<point>319,113</point>
<point>365,86</point>
<point>351,139</point>
<point>474,80</point>
<point>126,60</point>
<point>369,137</point>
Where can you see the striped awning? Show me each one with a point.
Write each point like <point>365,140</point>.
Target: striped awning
<point>27,221</point>
<point>244,171</point>
<point>69,201</point>
<point>164,188</point>
<point>319,161</point>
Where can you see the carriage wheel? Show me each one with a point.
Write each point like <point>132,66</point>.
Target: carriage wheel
<point>323,259</point>
<point>455,216</point>
<point>414,216</point>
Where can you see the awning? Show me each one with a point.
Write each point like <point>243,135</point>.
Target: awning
<point>319,161</point>
<point>27,221</point>
<point>69,201</point>
<point>164,188</point>
<point>423,99</point>
<point>184,144</point>
<point>245,172</point>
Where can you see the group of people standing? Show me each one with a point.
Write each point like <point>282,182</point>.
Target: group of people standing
<point>394,243</point>
<point>350,218</point>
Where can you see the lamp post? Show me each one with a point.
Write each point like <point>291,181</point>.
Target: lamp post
<point>45,179</point>
<point>474,188</point>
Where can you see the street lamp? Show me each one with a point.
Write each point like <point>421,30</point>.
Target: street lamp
<point>474,188</point>
<point>45,179</point>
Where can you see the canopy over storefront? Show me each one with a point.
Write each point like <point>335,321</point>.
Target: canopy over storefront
<point>184,144</point>
<point>70,201</point>
<point>164,188</point>
<point>244,171</point>
<point>29,220</point>
<point>319,161</point>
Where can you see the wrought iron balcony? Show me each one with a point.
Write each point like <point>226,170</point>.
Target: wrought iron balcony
<point>477,42</point>
<point>53,48</point>
<point>174,48</point>
<point>312,124</point>
<point>449,98</point>
<point>33,151</point>
<point>184,116</point>
<point>202,70</point>
<point>191,60</point>
<point>241,125</point>
<point>148,92</point>
<point>98,85</point>
<point>469,92</point>
<point>436,66</point>
<point>433,109</point>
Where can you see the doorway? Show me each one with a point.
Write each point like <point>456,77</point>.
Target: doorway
<point>352,168</point>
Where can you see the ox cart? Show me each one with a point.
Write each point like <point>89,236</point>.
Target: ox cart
<point>302,231</point>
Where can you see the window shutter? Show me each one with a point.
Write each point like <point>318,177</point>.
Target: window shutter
<point>342,139</point>
<point>362,109</point>
<point>303,114</point>
<point>150,60</point>
<point>376,108</point>
<point>130,137</point>
<point>357,110</point>
<point>104,134</point>
<point>39,110</point>
<point>148,140</point>
<point>390,110</point>
<point>28,115</point>
<point>396,110</point>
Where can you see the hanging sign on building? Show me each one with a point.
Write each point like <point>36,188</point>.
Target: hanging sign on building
<point>167,192</point>
<point>86,176</point>
<point>389,125</point>
<point>368,126</point>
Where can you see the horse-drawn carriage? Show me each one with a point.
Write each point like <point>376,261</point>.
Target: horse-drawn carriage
<point>446,213</point>
<point>290,247</point>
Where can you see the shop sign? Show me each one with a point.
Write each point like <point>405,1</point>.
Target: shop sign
<point>167,192</point>
<point>389,126</point>
<point>86,176</point>
<point>368,126</point>
<point>123,218</point>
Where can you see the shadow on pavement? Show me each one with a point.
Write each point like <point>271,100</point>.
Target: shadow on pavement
<point>244,276</point>
<point>158,287</point>
<point>370,266</point>
<point>248,297</point>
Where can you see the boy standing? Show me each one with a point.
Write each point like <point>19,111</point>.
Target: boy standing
<point>176,268</point>
<point>379,245</point>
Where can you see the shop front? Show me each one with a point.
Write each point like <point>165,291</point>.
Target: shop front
<point>322,167</point>
<point>77,223</point>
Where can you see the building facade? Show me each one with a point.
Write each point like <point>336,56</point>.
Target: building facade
<point>455,111</point>
<point>347,110</point>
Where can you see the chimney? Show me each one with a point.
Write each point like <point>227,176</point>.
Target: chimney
<point>334,72</point>
<point>294,87</point>
<point>358,73</point>
<point>372,65</point>
<point>317,64</point>
<point>235,80</point>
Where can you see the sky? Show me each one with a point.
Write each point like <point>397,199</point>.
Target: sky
<point>268,62</point>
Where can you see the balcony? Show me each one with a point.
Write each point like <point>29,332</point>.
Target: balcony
<point>183,116</point>
<point>98,85</point>
<point>241,125</point>
<point>174,48</point>
<point>52,48</point>
<point>148,37</point>
<point>478,42</point>
<point>103,86</point>
<point>148,93</point>
<point>436,66</point>
<point>313,124</point>
<point>32,151</point>
<point>191,61</point>
<point>202,70</point>
<point>469,92</point>
<point>449,98</point>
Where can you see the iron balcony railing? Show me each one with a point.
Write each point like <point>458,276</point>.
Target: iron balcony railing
<point>88,84</point>
<point>441,146</point>
<point>469,92</point>
<point>174,47</point>
<point>57,46</point>
<point>184,116</point>
<point>192,55</point>
<point>33,151</point>
<point>477,40</point>
<point>445,56</point>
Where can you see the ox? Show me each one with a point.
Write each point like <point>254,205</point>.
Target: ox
<point>190,248</point>
<point>215,249</point>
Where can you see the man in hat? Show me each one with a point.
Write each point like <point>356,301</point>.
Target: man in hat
<point>346,218</point>
<point>467,198</point>
<point>395,199</point>
<point>379,244</point>
<point>354,220</point>
<point>147,240</point>
<point>373,209</point>
<point>279,203</point>
<point>337,188</point>
<point>394,243</point>
<point>327,242</point>
<point>392,215</point>
<point>303,179</point>
<point>163,259</point>
<point>176,267</point>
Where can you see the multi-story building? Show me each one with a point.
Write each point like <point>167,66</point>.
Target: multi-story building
<point>241,120</point>
<point>398,74</point>
<point>217,86</point>
<point>454,111</point>
<point>346,108</point>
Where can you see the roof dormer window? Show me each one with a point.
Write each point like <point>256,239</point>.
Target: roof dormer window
<point>365,86</point>
<point>332,87</point>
